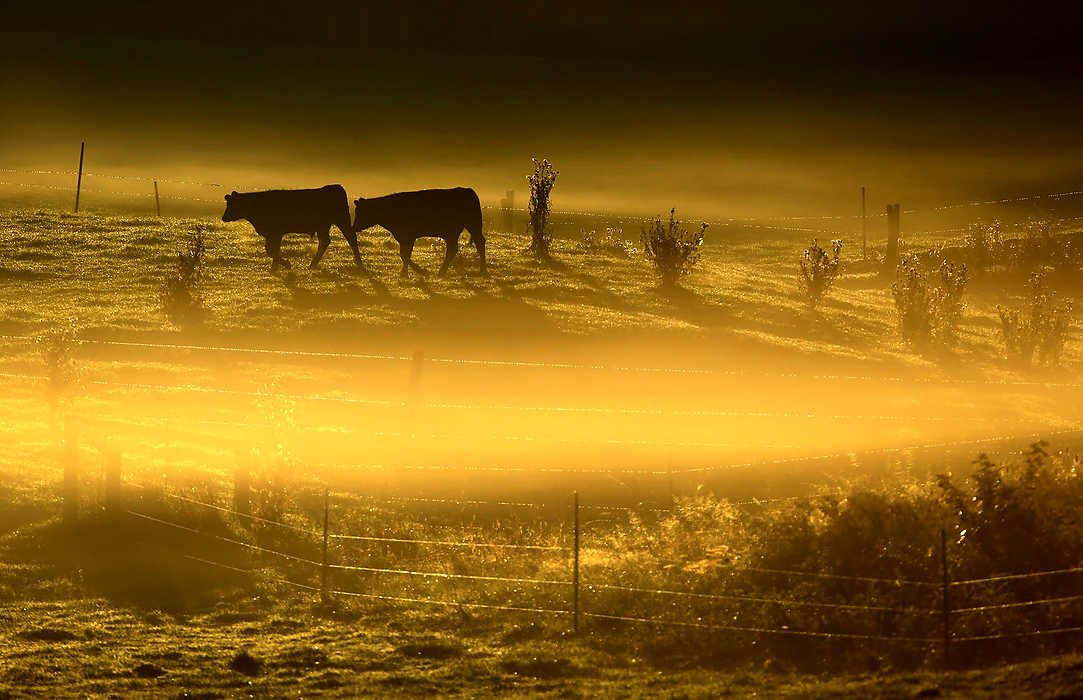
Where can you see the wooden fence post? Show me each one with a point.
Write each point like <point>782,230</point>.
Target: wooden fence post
<point>79,182</point>
<point>891,257</point>
<point>71,470</point>
<point>864,230</point>
<point>112,478</point>
<point>242,482</point>
<point>575,563</point>
<point>323,569</point>
<point>157,205</point>
<point>945,599</point>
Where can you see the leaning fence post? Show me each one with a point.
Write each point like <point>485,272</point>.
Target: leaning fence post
<point>323,569</point>
<point>241,483</point>
<point>112,478</point>
<point>71,470</point>
<point>575,562</point>
<point>157,205</point>
<point>945,583</point>
<point>79,181</point>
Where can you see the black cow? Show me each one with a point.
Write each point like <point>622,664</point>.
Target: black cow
<point>432,213</point>
<point>275,213</point>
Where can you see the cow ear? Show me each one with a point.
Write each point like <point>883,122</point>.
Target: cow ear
<point>234,193</point>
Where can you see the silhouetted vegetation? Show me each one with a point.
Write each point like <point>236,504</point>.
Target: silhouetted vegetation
<point>609,243</point>
<point>985,243</point>
<point>179,294</point>
<point>541,182</point>
<point>819,270</point>
<point>1040,326</point>
<point>57,351</point>
<point>672,249</point>
<point>928,312</point>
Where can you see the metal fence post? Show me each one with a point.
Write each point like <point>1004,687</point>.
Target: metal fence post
<point>575,563</point>
<point>945,583</point>
<point>157,204</point>
<point>79,181</point>
<point>71,470</point>
<point>323,569</point>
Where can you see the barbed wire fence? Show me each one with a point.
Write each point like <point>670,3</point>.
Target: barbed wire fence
<point>779,223</point>
<point>584,596</point>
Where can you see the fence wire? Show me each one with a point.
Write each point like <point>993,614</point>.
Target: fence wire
<point>220,538</point>
<point>442,575</point>
<point>756,630</point>
<point>564,365</point>
<point>754,599</point>
<point>1023,604</point>
<point>443,543</point>
<point>1016,577</point>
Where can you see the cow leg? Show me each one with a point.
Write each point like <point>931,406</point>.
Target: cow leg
<point>325,240</point>
<point>351,238</point>
<point>451,250</point>
<point>478,239</point>
<point>406,249</point>
<point>272,243</point>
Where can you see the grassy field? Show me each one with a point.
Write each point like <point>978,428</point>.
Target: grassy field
<point>785,403</point>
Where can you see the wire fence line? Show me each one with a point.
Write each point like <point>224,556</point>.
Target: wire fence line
<point>1023,604</point>
<point>595,587</point>
<point>444,543</point>
<point>537,364</point>
<point>220,538</point>
<point>757,630</point>
<point>187,181</point>
<point>559,410</point>
<point>1017,577</point>
<point>755,599</point>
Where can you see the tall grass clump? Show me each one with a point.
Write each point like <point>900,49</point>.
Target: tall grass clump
<point>1040,327</point>
<point>819,269</point>
<point>57,350</point>
<point>541,187</point>
<point>609,243</point>
<point>179,294</point>
<point>929,310</point>
<point>985,243</point>
<point>672,249</point>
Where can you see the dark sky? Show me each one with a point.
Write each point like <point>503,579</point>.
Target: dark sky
<point>748,108</point>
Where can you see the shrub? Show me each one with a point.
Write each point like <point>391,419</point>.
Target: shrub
<point>1067,254</point>
<point>179,294</point>
<point>1044,329</point>
<point>610,243</point>
<point>57,351</point>
<point>948,304</point>
<point>985,243</point>
<point>672,249</point>
<point>819,270</point>
<point>541,186</point>
<point>929,314</point>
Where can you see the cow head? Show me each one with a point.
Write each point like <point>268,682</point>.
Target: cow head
<point>362,218</point>
<point>233,208</point>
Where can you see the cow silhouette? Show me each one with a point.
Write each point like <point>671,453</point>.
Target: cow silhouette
<point>275,213</point>
<point>425,213</point>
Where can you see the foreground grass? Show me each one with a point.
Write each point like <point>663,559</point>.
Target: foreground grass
<point>89,648</point>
